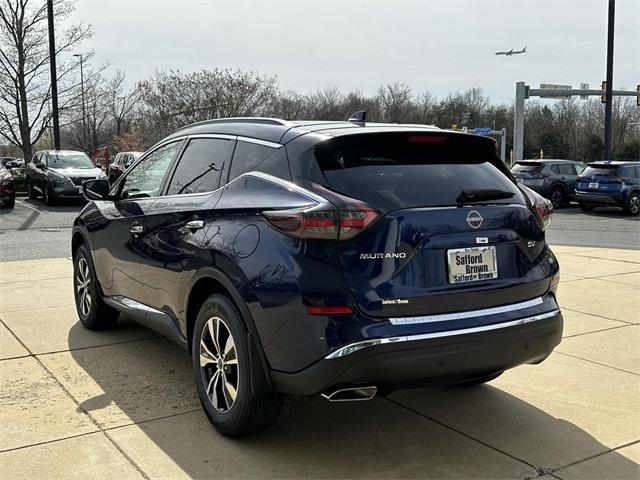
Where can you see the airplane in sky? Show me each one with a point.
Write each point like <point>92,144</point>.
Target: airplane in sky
<point>508,53</point>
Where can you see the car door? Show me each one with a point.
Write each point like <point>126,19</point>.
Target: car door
<point>568,176</point>
<point>36,174</point>
<point>118,244</point>
<point>178,221</point>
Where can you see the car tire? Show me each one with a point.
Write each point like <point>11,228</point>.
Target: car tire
<point>10,203</point>
<point>93,313</point>
<point>223,372</point>
<point>479,380</point>
<point>585,207</point>
<point>46,195</point>
<point>557,197</point>
<point>632,207</point>
<point>32,193</point>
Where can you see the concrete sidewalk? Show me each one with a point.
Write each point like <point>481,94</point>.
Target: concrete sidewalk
<point>122,404</point>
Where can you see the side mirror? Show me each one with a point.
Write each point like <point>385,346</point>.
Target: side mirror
<point>96,189</point>
<point>40,165</point>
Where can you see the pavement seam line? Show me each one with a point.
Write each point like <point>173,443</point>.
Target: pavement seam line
<point>603,258</point>
<point>35,308</point>
<point>149,420</point>
<point>157,337</point>
<point>598,363</point>
<point>47,442</point>
<point>595,315</point>
<point>460,432</point>
<point>35,280</point>
<point>80,408</point>
<point>619,447</point>
<point>596,331</point>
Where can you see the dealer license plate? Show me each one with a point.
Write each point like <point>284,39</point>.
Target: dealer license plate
<point>472,264</point>
<point>593,185</point>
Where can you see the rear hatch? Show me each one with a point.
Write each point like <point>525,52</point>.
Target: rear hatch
<point>529,173</point>
<point>599,178</point>
<point>454,232</point>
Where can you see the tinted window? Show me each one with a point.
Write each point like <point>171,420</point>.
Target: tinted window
<point>578,168</point>
<point>200,166</point>
<point>593,170</point>
<point>527,167</point>
<point>555,168</point>
<point>146,178</point>
<point>391,172</point>
<point>566,169</point>
<point>261,158</point>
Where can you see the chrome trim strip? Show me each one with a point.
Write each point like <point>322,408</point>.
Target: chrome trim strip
<point>266,143</point>
<point>461,315</point>
<point>354,347</point>
<point>133,304</point>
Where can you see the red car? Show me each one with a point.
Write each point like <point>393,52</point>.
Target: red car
<point>122,161</point>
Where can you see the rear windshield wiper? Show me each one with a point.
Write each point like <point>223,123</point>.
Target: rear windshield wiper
<point>481,195</point>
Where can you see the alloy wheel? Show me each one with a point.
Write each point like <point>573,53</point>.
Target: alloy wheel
<point>556,198</point>
<point>219,364</point>
<point>634,204</point>
<point>83,282</point>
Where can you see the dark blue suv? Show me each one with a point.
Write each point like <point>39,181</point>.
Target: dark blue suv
<point>336,258</point>
<point>610,184</point>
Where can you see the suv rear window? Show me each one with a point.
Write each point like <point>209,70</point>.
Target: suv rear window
<point>396,171</point>
<point>527,167</point>
<point>602,170</point>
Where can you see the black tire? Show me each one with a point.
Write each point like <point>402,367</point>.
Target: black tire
<point>32,193</point>
<point>557,197</point>
<point>226,369</point>
<point>10,203</point>
<point>94,315</point>
<point>585,207</point>
<point>632,207</point>
<point>46,195</point>
<point>480,380</point>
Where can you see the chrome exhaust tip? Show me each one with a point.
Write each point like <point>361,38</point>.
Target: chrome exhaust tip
<point>353,394</point>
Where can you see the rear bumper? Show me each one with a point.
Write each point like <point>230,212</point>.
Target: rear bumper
<point>429,359</point>
<point>604,199</point>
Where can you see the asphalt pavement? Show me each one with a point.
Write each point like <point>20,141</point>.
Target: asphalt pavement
<point>33,230</point>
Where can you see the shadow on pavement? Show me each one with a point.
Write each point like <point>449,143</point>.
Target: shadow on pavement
<point>146,380</point>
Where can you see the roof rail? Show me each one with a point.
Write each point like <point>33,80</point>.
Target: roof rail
<point>262,120</point>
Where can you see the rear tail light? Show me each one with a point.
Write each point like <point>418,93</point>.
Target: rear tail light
<point>542,207</point>
<point>324,221</point>
<point>429,139</point>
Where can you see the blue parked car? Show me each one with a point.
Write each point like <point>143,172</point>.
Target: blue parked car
<point>344,259</point>
<point>610,184</point>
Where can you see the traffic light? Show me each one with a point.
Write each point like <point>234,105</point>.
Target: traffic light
<point>603,97</point>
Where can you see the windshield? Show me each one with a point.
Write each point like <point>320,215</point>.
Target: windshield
<point>69,160</point>
<point>393,172</point>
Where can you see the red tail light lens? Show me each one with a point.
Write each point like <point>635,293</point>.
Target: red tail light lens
<point>324,221</point>
<point>429,139</point>
<point>542,206</point>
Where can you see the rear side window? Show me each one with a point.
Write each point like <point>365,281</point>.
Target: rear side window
<point>254,157</point>
<point>392,171</point>
<point>602,170</point>
<point>200,165</point>
<point>566,169</point>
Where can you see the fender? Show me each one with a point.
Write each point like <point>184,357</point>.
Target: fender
<point>260,384</point>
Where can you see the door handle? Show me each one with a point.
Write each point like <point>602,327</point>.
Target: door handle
<point>194,225</point>
<point>136,229</point>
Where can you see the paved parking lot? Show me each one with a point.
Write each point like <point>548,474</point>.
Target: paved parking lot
<point>121,404</point>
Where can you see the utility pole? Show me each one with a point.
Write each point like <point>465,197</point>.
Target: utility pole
<point>84,112</point>
<point>609,87</point>
<point>54,78</point>
<point>518,121</point>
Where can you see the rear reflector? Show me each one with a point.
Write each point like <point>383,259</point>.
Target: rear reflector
<point>329,310</point>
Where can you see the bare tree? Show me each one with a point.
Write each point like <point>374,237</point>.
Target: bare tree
<point>25,86</point>
<point>396,102</point>
<point>121,104</point>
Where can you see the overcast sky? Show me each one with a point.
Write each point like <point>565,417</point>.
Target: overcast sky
<point>440,46</point>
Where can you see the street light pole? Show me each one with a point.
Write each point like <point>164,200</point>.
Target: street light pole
<point>54,77</point>
<point>609,87</point>
<point>84,112</point>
